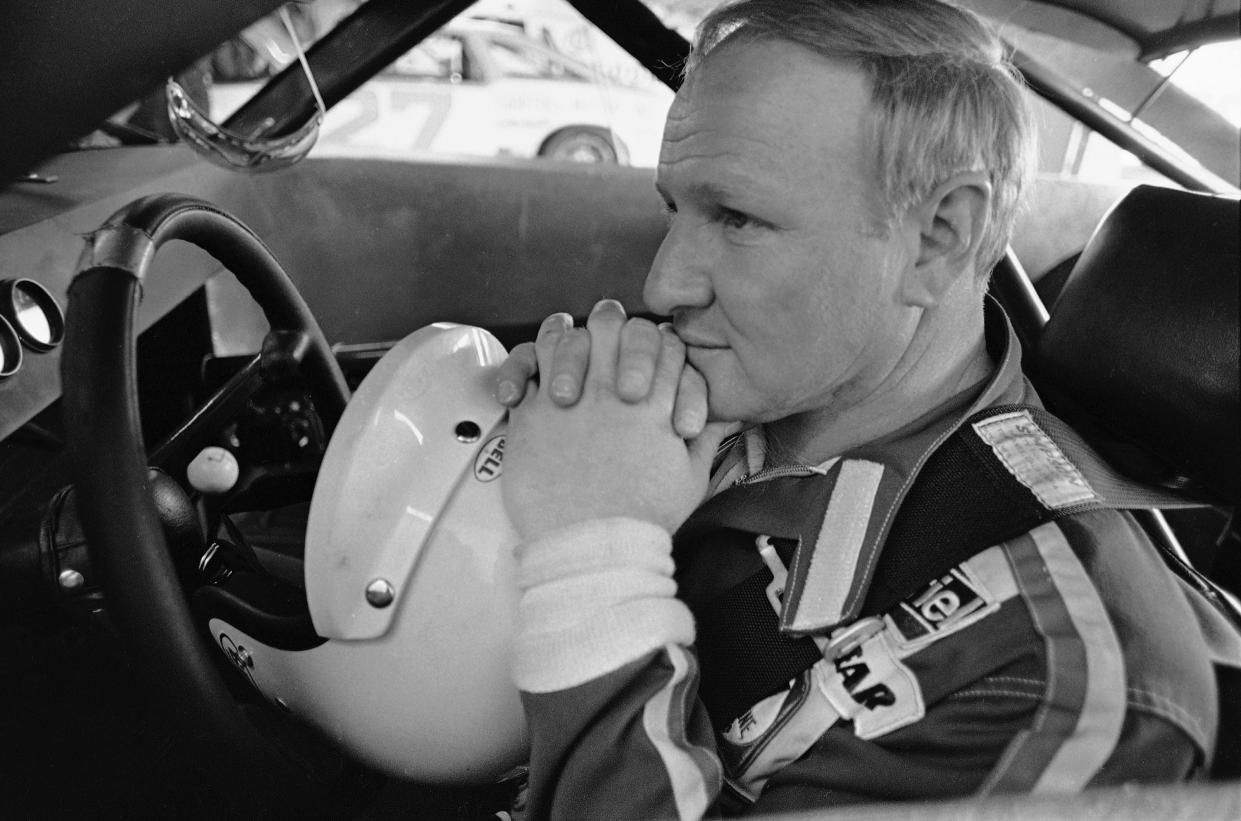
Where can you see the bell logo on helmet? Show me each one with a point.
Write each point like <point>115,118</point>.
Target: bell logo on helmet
<point>488,462</point>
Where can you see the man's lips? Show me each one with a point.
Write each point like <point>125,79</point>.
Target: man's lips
<point>693,340</point>
<point>691,347</point>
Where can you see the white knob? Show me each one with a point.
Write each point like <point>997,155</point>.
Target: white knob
<point>214,470</point>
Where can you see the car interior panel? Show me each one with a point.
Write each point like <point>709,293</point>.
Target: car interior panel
<point>1125,292</point>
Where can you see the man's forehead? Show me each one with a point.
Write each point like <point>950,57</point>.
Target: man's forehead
<point>764,104</point>
<point>765,65</point>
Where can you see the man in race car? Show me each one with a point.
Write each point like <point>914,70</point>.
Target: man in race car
<point>880,570</point>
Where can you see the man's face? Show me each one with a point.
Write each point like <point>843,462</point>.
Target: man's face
<point>775,269</point>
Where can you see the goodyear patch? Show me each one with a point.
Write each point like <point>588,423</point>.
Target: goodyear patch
<point>869,685</point>
<point>1030,455</point>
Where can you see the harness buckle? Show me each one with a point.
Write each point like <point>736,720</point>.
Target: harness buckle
<point>845,640</point>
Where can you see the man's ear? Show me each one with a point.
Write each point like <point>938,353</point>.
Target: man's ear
<point>950,221</point>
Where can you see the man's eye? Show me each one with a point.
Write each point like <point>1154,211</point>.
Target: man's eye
<point>670,211</point>
<point>735,219</point>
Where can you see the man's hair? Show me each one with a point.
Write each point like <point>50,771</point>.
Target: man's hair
<point>945,98</point>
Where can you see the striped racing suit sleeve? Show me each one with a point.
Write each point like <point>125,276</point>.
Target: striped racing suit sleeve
<point>1062,677</point>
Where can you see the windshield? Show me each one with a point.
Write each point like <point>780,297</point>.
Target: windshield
<point>528,80</point>
<point>532,80</point>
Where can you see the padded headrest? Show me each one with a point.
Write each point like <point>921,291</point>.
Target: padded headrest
<point>1141,354</point>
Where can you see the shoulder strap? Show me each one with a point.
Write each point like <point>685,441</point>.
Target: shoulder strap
<point>1006,470</point>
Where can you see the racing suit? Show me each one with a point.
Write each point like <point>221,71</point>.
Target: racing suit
<point>922,666</point>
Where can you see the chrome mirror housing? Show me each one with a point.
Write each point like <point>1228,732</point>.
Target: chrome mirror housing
<point>194,127</point>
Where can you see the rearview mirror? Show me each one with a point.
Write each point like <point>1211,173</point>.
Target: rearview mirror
<point>194,127</point>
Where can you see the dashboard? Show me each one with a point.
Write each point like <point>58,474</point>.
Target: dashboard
<point>44,218</point>
<point>377,248</point>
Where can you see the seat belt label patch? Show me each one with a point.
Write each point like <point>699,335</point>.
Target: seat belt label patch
<point>1035,460</point>
<point>960,598</point>
<point>946,605</point>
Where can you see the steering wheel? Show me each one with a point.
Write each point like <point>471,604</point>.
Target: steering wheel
<point>109,459</point>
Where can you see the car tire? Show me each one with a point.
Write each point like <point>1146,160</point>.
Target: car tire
<point>580,144</point>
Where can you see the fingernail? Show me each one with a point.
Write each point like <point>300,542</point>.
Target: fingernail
<point>506,392</point>
<point>556,323</point>
<point>562,387</point>
<point>689,423</point>
<point>614,304</point>
<point>630,382</point>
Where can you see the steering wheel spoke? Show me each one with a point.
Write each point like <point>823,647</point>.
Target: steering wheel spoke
<point>269,396</point>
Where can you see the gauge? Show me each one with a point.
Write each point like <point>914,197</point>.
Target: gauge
<point>33,312</point>
<point>10,349</point>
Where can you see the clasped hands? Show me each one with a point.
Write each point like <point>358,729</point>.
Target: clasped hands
<point>615,425</point>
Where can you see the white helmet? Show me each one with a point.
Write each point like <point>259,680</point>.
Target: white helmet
<point>410,573</point>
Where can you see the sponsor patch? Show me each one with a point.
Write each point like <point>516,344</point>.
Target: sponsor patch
<point>1033,459</point>
<point>949,603</point>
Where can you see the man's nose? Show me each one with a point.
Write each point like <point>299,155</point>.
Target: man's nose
<point>679,277</point>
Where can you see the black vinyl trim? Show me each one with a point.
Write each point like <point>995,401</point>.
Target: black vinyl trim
<point>103,431</point>
<point>264,608</point>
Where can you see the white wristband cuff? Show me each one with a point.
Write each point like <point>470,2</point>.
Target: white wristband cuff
<point>596,596</point>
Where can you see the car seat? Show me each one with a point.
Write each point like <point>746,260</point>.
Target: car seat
<point>1141,350</point>
<point>1140,353</point>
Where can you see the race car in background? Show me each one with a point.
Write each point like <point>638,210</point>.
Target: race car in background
<point>475,88</point>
